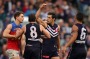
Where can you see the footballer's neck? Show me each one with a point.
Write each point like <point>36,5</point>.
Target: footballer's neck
<point>32,22</point>
<point>52,23</point>
<point>17,22</point>
<point>79,22</point>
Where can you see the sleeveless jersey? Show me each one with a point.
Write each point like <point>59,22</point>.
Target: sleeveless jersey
<point>80,40</point>
<point>53,30</point>
<point>33,34</point>
<point>14,44</point>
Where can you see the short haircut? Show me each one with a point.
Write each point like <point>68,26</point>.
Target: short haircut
<point>32,18</point>
<point>17,14</point>
<point>80,16</point>
<point>53,14</point>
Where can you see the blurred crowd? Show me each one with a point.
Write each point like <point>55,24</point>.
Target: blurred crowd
<point>65,14</point>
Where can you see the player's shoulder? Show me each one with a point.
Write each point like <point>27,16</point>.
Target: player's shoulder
<point>74,27</point>
<point>9,25</point>
<point>55,25</point>
<point>12,24</point>
<point>40,25</point>
<point>79,24</point>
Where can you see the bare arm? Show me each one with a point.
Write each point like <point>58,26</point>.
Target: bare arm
<point>38,19</point>
<point>7,31</point>
<point>21,33</point>
<point>23,43</point>
<point>58,39</point>
<point>39,10</point>
<point>45,32</point>
<point>73,35</point>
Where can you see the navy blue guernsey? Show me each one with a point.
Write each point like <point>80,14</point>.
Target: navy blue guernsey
<point>33,34</point>
<point>48,43</point>
<point>80,40</point>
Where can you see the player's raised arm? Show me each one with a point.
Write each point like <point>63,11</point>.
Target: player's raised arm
<point>7,31</point>
<point>38,19</point>
<point>39,10</point>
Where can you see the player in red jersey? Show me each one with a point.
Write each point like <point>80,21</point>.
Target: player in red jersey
<point>13,45</point>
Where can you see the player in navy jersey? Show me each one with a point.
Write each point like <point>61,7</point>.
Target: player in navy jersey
<point>77,40</point>
<point>32,33</point>
<point>50,48</point>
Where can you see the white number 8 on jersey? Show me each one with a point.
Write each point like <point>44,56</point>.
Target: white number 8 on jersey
<point>33,32</point>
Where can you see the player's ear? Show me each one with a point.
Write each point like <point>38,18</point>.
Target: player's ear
<point>17,17</point>
<point>54,19</point>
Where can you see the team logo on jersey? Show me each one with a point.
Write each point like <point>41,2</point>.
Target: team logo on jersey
<point>56,30</point>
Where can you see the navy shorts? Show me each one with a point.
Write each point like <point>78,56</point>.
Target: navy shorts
<point>49,53</point>
<point>77,53</point>
<point>32,52</point>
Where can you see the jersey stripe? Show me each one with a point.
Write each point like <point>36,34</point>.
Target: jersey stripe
<point>52,32</point>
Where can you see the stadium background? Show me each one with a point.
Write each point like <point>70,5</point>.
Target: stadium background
<point>65,14</point>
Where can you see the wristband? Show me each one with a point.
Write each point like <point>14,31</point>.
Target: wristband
<point>58,49</point>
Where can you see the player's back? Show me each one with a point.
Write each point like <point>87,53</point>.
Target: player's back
<point>81,38</point>
<point>33,34</point>
<point>78,50</point>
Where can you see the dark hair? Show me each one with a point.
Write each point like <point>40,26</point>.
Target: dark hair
<point>80,16</point>
<point>17,14</point>
<point>32,18</point>
<point>53,14</point>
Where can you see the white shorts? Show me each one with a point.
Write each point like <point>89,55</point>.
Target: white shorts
<point>12,53</point>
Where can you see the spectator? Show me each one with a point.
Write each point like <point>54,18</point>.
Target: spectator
<point>3,45</point>
<point>38,3</point>
<point>72,11</point>
<point>1,4</point>
<point>67,29</point>
<point>8,6</point>
<point>31,10</point>
<point>57,10</point>
<point>83,5</point>
<point>25,7</point>
<point>18,7</point>
<point>2,17</point>
<point>2,14</point>
<point>70,22</point>
<point>65,6</point>
<point>11,13</point>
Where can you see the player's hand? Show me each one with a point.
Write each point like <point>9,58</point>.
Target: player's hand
<point>18,31</point>
<point>41,40</point>
<point>42,6</point>
<point>59,51</point>
<point>64,49</point>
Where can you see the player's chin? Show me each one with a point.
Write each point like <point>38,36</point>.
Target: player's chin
<point>21,21</point>
<point>48,22</point>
